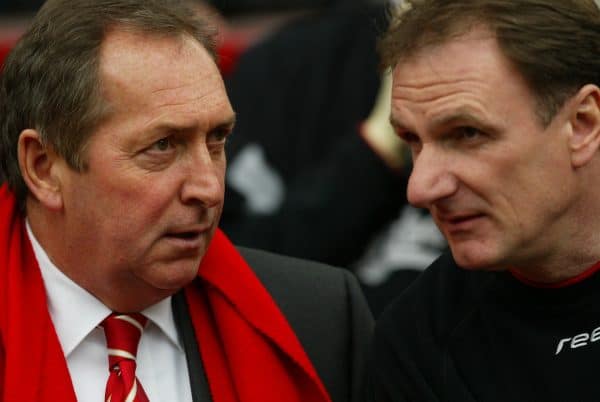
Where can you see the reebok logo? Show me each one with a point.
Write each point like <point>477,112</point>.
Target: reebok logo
<point>578,340</point>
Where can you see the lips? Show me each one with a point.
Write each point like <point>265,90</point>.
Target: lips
<point>187,231</point>
<point>463,218</point>
<point>459,222</point>
<point>187,237</point>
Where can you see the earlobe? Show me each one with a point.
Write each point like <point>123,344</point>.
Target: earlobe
<point>37,164</point>
<point>584,140</point>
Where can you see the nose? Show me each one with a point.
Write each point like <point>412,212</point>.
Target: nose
<point>204,181</point>
<point>431,178</point>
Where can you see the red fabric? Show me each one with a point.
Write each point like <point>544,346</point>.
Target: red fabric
<point>248,339</point>
<point>229,52</point>
<point>6,44</point>
<point>248,349</point>
<point>124,336</point>
<point>33,365</point>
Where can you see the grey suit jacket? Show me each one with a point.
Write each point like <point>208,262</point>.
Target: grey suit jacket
<point>325,308</point>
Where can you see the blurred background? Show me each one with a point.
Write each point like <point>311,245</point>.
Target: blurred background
<point>303,178</point>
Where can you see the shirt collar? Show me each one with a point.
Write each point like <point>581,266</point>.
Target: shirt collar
<point>75,312</point>
<point>161,314</point>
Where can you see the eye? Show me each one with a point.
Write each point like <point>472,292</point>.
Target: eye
<point>468,133</point>
<point>162,145</point>
<point>218,136</point>
<point>410,138</point>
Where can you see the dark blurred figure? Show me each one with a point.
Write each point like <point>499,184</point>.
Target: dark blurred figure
<point>236,7</point>
<point>300,97</point>
<point>303,179</point>
<point>19,6</point>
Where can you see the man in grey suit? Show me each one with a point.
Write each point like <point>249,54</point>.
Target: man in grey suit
<point>113,123</point>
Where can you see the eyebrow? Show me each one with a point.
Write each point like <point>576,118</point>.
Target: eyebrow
<point>230,122</point>
<point>462,116</point>
<point>183,128</point>
<point>396,124</point>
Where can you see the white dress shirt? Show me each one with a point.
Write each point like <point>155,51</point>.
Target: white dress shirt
<point>76,314</point>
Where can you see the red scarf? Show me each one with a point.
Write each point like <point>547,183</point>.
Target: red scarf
<point>248,349</point>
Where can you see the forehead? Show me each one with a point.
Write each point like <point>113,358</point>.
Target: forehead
<point>148,70</point>
<point>466,75</point>
<point>453,59</point>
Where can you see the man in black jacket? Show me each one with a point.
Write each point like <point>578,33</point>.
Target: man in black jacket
<point>499,102</point>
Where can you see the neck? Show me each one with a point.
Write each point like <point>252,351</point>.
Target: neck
<point>572,246</point>
<point>47,230</point>
<point>573,255</point>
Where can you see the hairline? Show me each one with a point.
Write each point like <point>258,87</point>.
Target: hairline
<point>461,28</point>
<point>100,107</point>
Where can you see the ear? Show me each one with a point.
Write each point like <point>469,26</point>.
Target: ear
<point>584,118</point>
<point>37,164</point>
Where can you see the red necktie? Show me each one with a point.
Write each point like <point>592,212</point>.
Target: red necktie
<point>123,332</point>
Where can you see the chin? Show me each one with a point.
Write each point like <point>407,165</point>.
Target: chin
<point>174,275</point>
<point>476,258</point>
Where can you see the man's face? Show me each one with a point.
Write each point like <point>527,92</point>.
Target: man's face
<point>145,210</point>
<point>498,184</point>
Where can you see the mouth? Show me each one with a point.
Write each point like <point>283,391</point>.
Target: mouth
<point>190,235</point>
<point>460,219</point>
<point>459,222</point>
<point>190,238</point>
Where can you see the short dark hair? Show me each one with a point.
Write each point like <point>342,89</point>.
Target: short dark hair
<point>51,81</point>
<point>554,44</point>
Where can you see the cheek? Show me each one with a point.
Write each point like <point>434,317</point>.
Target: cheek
<point>501,174</point>
<point>133,209</point>
<point>532,192</point>
<point>144,205</point>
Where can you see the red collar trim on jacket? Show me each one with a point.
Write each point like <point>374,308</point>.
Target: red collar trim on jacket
<point>556,285</point>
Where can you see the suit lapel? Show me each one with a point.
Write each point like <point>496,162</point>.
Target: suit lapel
<point>198,382</point>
